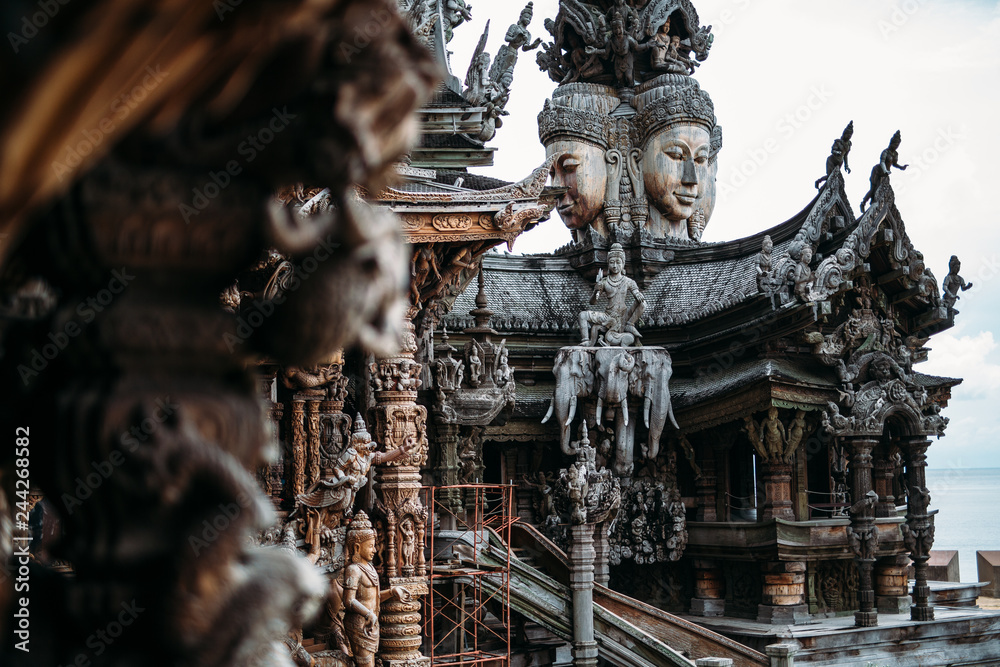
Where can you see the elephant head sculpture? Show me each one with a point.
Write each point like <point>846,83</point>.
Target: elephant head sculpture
<point>653,385</point>
<point>615,370</point>
<point>574,373</point>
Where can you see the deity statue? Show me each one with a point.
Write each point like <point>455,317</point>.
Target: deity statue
<point>617,321</point>
<point>838,155</point>
<point>455,13</point>
<point>765,265</point>
<point>330,498</point>
<point>953,283</point>
<point>408,544</point>
<point>362,597</point>
<point>676,129</point>
<point>574,128</point>
<point>881,171</point>
<point>517,38</point>
<point>621,47</point>
<point>802,275</point>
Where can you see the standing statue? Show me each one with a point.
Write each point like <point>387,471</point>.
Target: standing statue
<point>953,283</point>
<point>765,264</point>
<point>620,47</point>
<point>517,38</point>
<point>617,321</point>
<point>456,12</point>
<point>881,171</point>
<point>838,155</point>
<point>362,597</point>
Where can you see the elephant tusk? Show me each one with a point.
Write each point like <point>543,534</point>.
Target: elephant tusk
<point>625,411</point>
<point>572,411</point>
<point>670,411</point>
<point>649,405</point>
<point>548,415</point>
<point>600,409</point>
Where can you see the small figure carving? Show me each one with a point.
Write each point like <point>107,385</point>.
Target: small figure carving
<point>802,275</point>
<point>881,171</point>
<point>953,283</point>
<point>408,545</point>
<point>326,503</point>
<point>838,155</point>
<point>455,13</point>
<point>475,360</point>
<point>617,321</point>
<point>696,225</point>
<point>765,266</point>
<point>362,597</point>
<point>423,264</point>
<point>667,56</point>
<point>621,48</point>
<point>517,38</point>
<point>769,438</point>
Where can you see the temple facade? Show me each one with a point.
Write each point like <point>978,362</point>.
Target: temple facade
<point>341,430</point>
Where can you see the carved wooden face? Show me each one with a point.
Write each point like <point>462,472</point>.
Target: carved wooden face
<point>677,172</point>
<point>581,169</point>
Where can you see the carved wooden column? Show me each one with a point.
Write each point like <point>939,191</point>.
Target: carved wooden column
<point>892,585</point>
<point>399,419</point>
<point>777,491</point>
<point>709,589</point>
<point>705,488</point>
<point>602,549</point>
<point>447,470</point>
<point>862,534</point>
<point>783,599</point>
<point>883,475</point>
<point>918,531</point>
<point>582,582</point>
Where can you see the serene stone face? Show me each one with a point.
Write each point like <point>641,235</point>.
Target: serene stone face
<point>679,179</point>
<point>580,167</point>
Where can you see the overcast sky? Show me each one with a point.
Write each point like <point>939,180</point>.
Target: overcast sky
<point>786,76</point>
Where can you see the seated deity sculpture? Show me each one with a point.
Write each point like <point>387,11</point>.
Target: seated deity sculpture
<point>614,326</point>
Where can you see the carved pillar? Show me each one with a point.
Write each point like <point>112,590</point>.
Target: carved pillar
<point>582,557</point>
<point>783,599</point>
<point>312,443</point>
<point>777,491</point>
<point>892,585</point>
<point>296,484</point>
<point>705,489</point>
<point>884,472</point>
<point>602,549</point>
<point>918,531</point>
<point>709,589</point>
<point>399,419</point>
<point>862,533</point>
<point>447,471</point>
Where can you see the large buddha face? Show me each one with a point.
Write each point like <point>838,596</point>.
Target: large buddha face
<point>580,168</point>
<point>677,172</point>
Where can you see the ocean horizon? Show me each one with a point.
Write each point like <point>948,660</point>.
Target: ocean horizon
<point>968,500</point>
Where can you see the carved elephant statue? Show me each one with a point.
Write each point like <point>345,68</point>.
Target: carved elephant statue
<point>574,373</point>
<point>615,369</point>
<point>653,385</point>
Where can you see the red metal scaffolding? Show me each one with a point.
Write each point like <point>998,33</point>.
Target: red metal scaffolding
<point>467,616</point>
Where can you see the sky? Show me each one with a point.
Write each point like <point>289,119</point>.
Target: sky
<point>786,76</point>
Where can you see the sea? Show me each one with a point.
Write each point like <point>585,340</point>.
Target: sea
<point>968,520</point>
